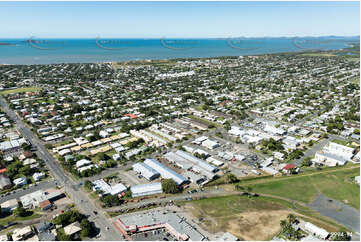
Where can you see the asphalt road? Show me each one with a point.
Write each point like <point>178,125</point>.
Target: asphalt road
<point>338,211</point>
<point>81,200</point>
<point>312,151</point>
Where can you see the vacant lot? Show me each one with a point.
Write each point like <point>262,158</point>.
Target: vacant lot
<point>338,185</point>
<point>18,90</point>
<point>246,218</point>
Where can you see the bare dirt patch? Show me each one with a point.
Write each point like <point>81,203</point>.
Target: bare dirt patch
<point>249,224</point>
<point>259,225</point>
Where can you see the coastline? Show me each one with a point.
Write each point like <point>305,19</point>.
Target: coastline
<point>127,59</point>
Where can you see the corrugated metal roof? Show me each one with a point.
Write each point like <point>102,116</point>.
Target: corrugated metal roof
<point>146,189</point>
<point>165,172</point>
<point>146,171</point>
<point>197,161</point>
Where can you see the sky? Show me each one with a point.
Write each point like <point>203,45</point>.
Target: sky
<point>178,19</point>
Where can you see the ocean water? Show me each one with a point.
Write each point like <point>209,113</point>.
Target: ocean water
<point>51,51</point>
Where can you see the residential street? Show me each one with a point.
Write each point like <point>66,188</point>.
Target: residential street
<point>81,200</point>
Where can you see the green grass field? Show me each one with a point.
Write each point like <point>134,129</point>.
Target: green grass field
<point>229,205</point>
<point>19,90</point>
<point>12,218</point>
<point>336,184</point>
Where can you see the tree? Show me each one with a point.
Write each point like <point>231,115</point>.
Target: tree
<point>103,156</point>
<point>291,218</point>
<point>86,228</point>
<point>88,184</point>
<point>283,224</point>
<point>25,146</point>
<point>62,236</point>
<point>169,186</point>
<point>230,178</point>
<point>49,146</point>
<point>20,211</point>
<point>306,162</point>
<point>68,217</point>
<point>111,200</point>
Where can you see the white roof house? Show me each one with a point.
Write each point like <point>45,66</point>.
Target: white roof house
<point>274,130</point>
<point>84,168</point>
<point>165,172</point>
<point>20,181</point>
<point>64,152</point>
<point>146,189</point>
<point>103,134</point>
<point>146,171</point>
<point>82,163</point>
<point>101,185</point>
<point>38,175</point>
<point>72,228</point>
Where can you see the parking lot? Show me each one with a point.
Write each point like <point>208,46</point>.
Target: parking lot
<point>155,235</point>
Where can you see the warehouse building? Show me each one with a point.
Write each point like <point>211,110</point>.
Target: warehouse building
<point>210,144</point>
<point>329,159</point>
<point>165,172</point>
<point>214,161</point>
<point>178,160</point>
<point>146,189</point>
<point>195,178</point>
<point>146,171</point>
<point>340,150</point>
<point>196,161</point>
